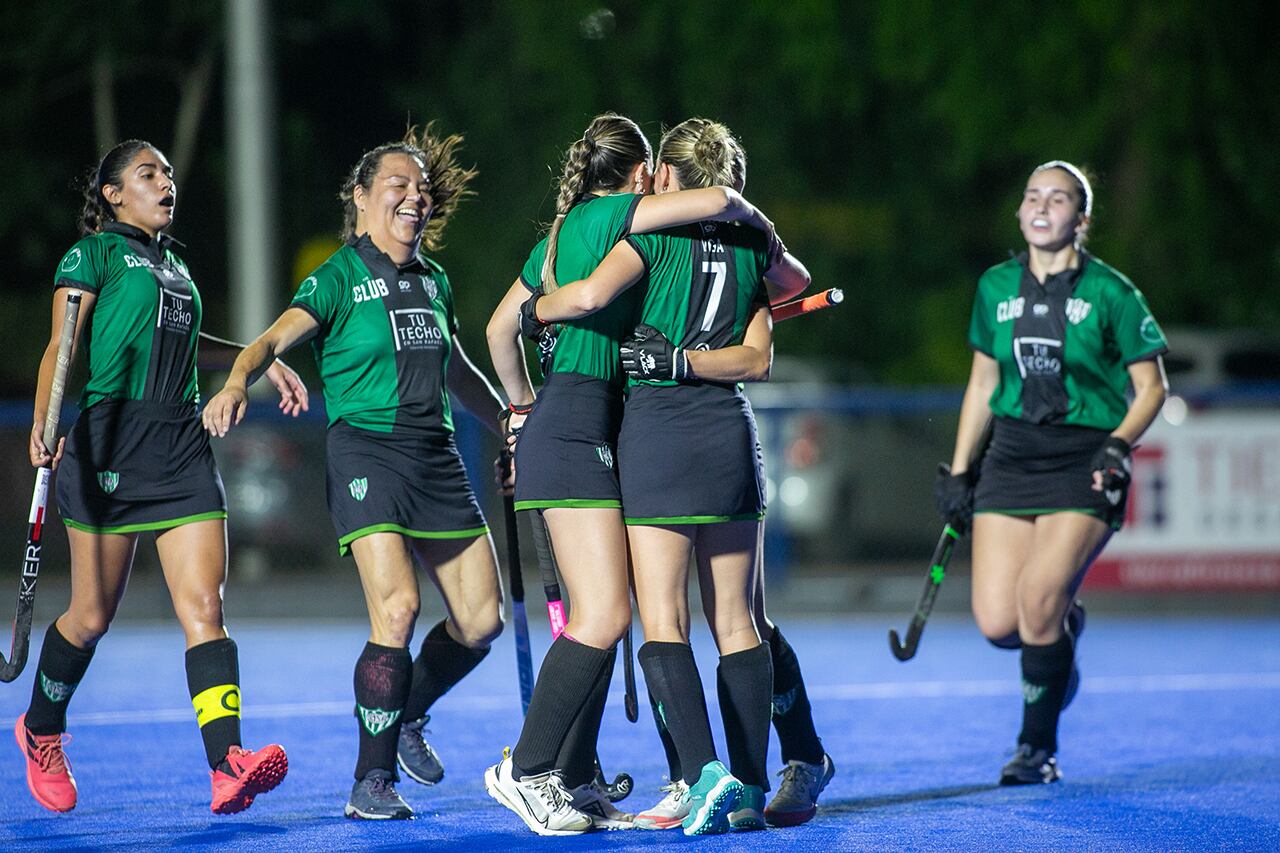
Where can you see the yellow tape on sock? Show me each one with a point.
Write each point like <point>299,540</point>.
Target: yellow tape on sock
<point>216,703</point>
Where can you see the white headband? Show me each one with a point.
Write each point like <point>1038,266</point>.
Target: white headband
<point>1074,172</point>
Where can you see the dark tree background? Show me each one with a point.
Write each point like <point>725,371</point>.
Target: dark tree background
<point>888,140</point>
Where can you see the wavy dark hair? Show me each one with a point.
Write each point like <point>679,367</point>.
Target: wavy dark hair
<point>109,172</point>
<point>437,157</point>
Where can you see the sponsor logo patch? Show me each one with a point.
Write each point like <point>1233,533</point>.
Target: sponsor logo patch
<point>375,720</point>
<point>359,487</point>
<point>108,480</point>
<point>1150,331</point>
<point>405,286</point>
<point>71,261</point>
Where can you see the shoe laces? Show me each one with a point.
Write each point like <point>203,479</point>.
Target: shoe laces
<point>550,788</point>
<point>797,774</point>
<point>676,791</point>
<point>415,740</point>
<point>48,752</point>
<point>380,788</point>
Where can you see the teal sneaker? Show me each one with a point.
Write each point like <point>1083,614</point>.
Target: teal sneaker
<point>715,794</point>
<point>749,814</point>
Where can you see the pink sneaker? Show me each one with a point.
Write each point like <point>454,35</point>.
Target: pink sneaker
<point>252,773</point>
<point>48,770</point>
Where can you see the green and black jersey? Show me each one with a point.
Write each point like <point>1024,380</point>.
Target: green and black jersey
<point>386,334</point>
<point>140,342</point>
<point>590,345</point>
<point>1063,346</point>
<point>705,280</point>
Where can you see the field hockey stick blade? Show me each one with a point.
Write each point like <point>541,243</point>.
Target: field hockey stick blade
<point>11,667</point>
<point>937,572</point>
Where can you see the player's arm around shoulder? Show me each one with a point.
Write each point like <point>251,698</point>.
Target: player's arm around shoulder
<point>750,361</point>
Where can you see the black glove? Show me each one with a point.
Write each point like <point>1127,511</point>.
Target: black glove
<point>649,355</point>
<point>530,326</point>
<point>953,496</point>
<point>1113,462</point>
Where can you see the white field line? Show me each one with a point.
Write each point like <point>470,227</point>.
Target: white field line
<point>1190,683</point>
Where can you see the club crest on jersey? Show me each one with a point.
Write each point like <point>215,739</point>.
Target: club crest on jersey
<point>605,454</point>
<point>108,480</point>
<point>429,285</point>
<point>307,287</point>
<point>375,720</point>
<point>359,487</point>
<point>57,691</point>
<point>1077,310</point>
<point>71,261</point>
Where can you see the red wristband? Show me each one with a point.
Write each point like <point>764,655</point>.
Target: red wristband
<point>520,408</point>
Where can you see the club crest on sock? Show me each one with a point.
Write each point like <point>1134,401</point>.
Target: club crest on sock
<point>782,702</point>
<point>1031,693</point>
<point>56,691</point>
<point>376,720</point>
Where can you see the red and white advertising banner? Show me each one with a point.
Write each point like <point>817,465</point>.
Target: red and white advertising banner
<point>1204,509</point>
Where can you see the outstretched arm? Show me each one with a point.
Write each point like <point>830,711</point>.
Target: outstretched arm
<point>219,354</point>
<point>786,278</point>
<point>473,389</point>
<point>716,204</point>
<point>226,408</point>
<point>620,269</point>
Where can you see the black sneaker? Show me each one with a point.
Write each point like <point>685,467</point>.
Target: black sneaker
<point>1030,767</point>
<point>415,756</point>
<point>1074,625</point>
<point>374,798</point>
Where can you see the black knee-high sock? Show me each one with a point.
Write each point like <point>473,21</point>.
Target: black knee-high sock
<point>61,667</point>
<point>672,676</point>
<point>744,681</point>
<point>577,759</point>
<point>792,716</point>
<point>441,663</point>
<point>1045,670</point>
<point>382,685</point>
<point>569,674</point>
<point>213,677</point>
<point>668,743</point>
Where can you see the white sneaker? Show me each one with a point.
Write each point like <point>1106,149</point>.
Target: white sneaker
<point>670,811</point>
<point>797,799</point>
<point>541,801</point>
<point>593,803</point>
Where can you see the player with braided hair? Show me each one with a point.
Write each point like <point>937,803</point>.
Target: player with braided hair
<point>692,482</point>
<point>565,460</point>
<point>380,314</point>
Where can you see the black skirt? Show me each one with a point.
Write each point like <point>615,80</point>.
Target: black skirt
<point>413,485</point>
<point>689,454</point>
<point>1036,469</point>
<point>132,466</point>
<point>565,453</point>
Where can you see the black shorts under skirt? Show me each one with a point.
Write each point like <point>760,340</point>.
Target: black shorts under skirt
<point>689,454</point>
<point>132,466</point>
<point>565,454</point>
<point>396,483</point>
<point>1035,469</point>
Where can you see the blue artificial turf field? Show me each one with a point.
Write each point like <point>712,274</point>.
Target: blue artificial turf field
<point>1173,744</point>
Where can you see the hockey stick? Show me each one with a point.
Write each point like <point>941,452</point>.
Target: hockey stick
<point>826,299</point>
<point>630,705</point>
<point>937,571</point>
<point>622,783</point>
<point>11,667</point>
<point>524,656</point>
